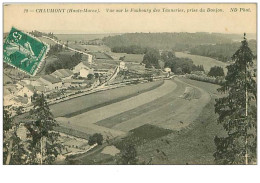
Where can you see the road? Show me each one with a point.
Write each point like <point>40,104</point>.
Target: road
<point>161,106</point>
<point>57,42</point>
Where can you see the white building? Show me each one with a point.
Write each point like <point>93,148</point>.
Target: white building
<point>122,66</point>
<point>26,91</point>
<point>84,72</point>
<point>8,96</point>
<point>90,59</point>
<point>167,69</point>
<point>81,65</point>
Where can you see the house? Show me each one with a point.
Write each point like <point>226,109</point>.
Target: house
<point>8,96</point>
<point>12,102</point>
<point>27,81</point>
<point>26,91</point>
<point>90,58</point>
<point>10,89</point>
<point>167,69</point>
<point>51,82</point>
<point>21,101</point>
<point>11,97</point>
<point>36,83</point>
<point>84,72</point>
<point>81,65</point>
<point>41,89</point>
<point>62,73</point>
<point>7,79</point>
<point>122,66</point>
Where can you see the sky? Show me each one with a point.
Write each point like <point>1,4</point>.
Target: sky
<point>232,18</point>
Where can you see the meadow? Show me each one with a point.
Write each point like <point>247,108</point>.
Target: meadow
<point>205,61</point>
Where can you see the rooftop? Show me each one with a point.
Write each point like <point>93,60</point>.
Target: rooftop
<point>62,73</point>
<point>51,79</point>
<point>9,89</point>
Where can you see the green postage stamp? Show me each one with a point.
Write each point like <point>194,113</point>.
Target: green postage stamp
<point>23,51</point>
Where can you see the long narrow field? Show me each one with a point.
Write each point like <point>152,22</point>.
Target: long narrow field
<point>85,103</point>
<point>86,121</point>
<point>205,61</point>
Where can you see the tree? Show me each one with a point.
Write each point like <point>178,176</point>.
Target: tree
<point>96,138</point>
<point>43,141</point>
<point>13,148</point>
<point>128,155</point>
<point>96,75</point>
<point>216,71</point>
<point>151,58</point>
<point>90,76</point>
<point>237,111</point>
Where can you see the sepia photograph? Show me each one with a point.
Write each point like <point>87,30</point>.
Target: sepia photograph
<point>129,84</point>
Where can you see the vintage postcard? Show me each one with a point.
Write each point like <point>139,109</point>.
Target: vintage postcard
<point>129,84</point>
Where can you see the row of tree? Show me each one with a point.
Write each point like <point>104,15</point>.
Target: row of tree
<point>221,52</point>
<point>176,41</point>
<point>55,49</point>
<point>177,65</point>
<point>63,62</point>
<point>36,33</point>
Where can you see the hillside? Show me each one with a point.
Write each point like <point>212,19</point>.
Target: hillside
<point>178,41</point>
<point>221,52</point>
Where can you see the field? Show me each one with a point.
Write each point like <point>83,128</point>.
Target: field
<point>81,37</point>
<point>116,56</point>
<point>138,58</point>
<point>88,102</point>
<point>89,48</point>
<point>205,61</point>
<point>188,143</point>
<point>101,55</point>
<point>87,121</point>
<point>177,112</point>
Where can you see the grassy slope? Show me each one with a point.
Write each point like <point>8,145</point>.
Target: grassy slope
<point>192,145</point>
<point>188,146</point>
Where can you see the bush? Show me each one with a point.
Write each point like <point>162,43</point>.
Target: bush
<point>216,71</point>
<point>96,138</point>
<point>128,156</point>
<point>204,78</point>
<point>90,76</point>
